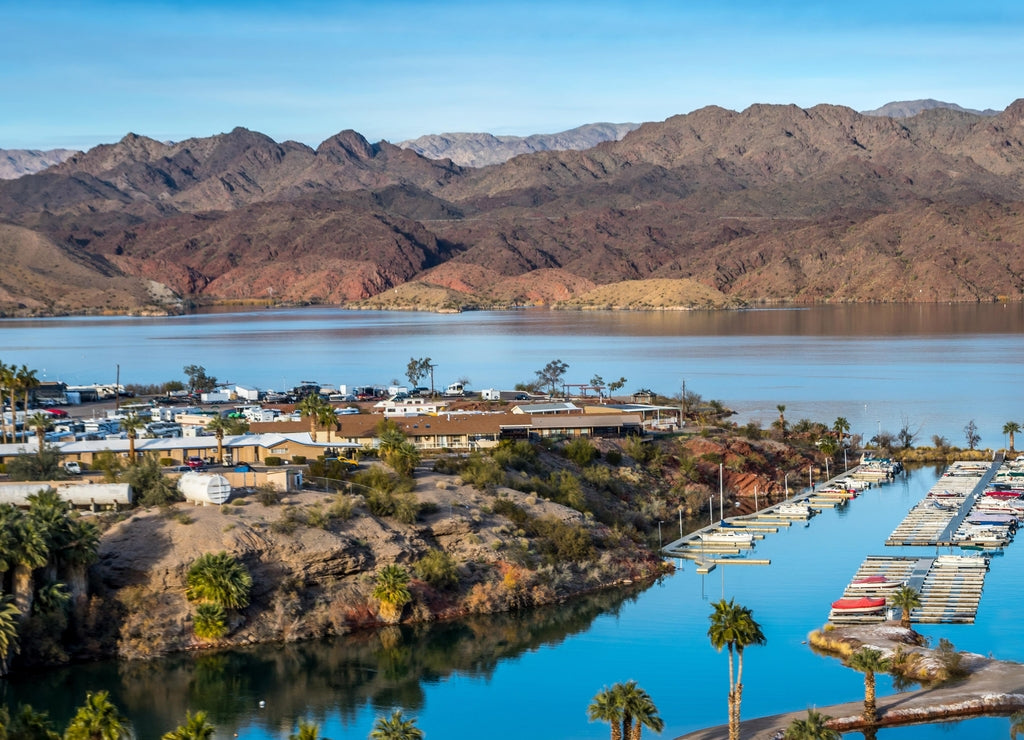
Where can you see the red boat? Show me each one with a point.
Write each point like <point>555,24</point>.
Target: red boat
<point>864,605</point>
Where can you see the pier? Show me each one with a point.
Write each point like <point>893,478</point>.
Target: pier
<point>729,541</point>
<point>936,519</point>
<point>949,587</point>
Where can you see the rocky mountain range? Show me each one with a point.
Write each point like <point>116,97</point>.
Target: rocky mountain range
<point>17,162</point>
<point>481,149</point>
<point>712,208</point>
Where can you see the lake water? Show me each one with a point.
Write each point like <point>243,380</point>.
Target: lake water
<point>934,367</point>
<point>533,675</point>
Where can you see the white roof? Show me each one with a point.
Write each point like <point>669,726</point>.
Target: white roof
<point>168,444</point>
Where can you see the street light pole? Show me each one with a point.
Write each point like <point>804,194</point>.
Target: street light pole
<point>659,535</point>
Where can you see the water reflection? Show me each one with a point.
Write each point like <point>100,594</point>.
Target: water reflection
<point>318,679</point>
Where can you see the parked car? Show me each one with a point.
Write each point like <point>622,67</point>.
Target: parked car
<point>195,463</point>
<point>72,467</point>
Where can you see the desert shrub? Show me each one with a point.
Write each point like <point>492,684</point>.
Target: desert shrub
<point>438,569</point>
<point>267,495</point>
<point>298,459</point>
<point>342,507</point>
<point>559,541</point>
<point>168,461</point>
<point>317,517</point>
<point>482,472</point>
<point>613,457</point>
<point>517,514</point>
<point>639,450</point>
<point>715,458</point>
<point>581,451</point>
<point>288,522</point>
<point>272,460</point>
<point>518,455</point>
<point>950,660</point>
<point>151,486</point>
<point>396,504</point>
<point>447,465</point>
<point>568,490</point>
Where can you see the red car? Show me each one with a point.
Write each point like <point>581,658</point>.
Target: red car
<point>60,413</point>
<point>196,463</point>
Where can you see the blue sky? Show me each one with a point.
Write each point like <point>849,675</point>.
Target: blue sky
<point>76,74</point>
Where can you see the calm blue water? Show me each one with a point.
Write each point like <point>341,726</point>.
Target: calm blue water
<point>935,367</point>
<point>534,676</point>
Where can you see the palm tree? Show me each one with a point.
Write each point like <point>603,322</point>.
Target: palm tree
<point>869,662</point>
<point>1011,428</point>
<point>905,598</point>
<point>6,379</point>
<point>395,727</point>
<point>79,550</point>
<point>219,578</point>
<point>606,707</point>
<point>218,425</point>
<point>27,381</point>
<point>733,626</point>
<point>392,591</point>
<point>326,418</point>
<point>638,711</point>
<point>41,423</point>
<point>306,731</point>
<point>195,728</point>
<point>815,727</point>
<point>97,719</point>
<point>313,406</point>
<point>1016,725</point>
<point>11,383</point>
<point>28,724</point>
<point>9,619</point>
<point>131,424</point>
<point>841,427</point>
<point>25,549</point>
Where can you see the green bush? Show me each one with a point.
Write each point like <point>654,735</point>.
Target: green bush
<point>298,459</point>
<point>272,460</point>
<point>210,621</point>
<point>266,495</point>
<point>581,451</point>
<point>168,462</point>
<point>613,457</point>
<point>438,569</point>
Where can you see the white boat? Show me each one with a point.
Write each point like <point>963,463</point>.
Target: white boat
<point>794,509</point>
<point>872,583</point>
<point>719,537</point>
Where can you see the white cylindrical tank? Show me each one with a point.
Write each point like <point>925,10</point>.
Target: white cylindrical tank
<point>77,494</point>
<point>204,488</point>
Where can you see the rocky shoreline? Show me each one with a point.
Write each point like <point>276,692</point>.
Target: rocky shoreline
<point>314,578</point>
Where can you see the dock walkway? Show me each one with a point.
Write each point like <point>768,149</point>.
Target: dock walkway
<point>935,519</point>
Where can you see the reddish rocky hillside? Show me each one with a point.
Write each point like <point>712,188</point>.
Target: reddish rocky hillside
<point>774,203</point>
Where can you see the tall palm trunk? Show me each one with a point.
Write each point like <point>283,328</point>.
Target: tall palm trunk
<point>76,578</point>
<point>870,707</point>
<point>23,587</point>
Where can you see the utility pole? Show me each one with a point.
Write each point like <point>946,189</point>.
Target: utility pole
<point>682,406</point>
<point>117,391</point>
<point>432,366</point>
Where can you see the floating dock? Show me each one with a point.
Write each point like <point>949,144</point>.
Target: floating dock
<point>949,587</point>
<point>935,519</point>
<point>707,546</point>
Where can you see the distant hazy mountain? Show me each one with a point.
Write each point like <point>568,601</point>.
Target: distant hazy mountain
<point>910,108</point>
<point>482,149</point>
<point>17,162</point>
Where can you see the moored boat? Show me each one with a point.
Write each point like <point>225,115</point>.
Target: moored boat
<point>731,538</point>
<point>875,582</point>
<point>860,605</point>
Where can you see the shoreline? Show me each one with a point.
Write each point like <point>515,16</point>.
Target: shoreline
<point>993,687</point>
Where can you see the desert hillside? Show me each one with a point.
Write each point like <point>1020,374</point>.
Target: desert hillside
<point>771,204</point>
